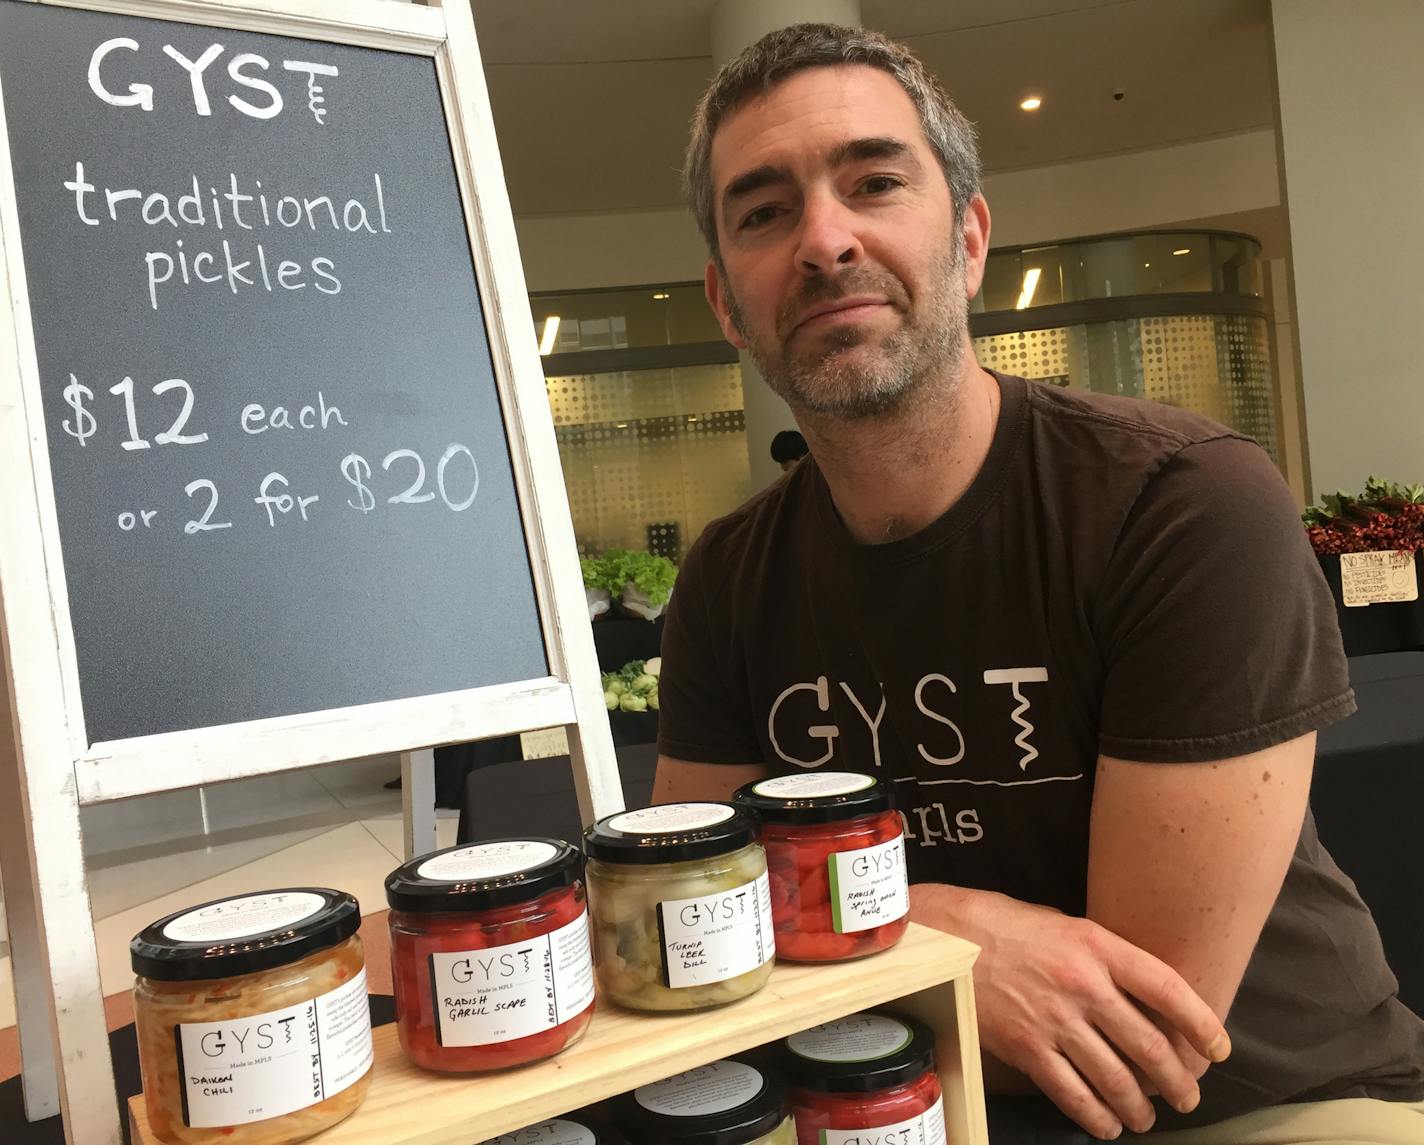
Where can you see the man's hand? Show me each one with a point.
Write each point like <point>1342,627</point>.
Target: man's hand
<point>1062,1000</point>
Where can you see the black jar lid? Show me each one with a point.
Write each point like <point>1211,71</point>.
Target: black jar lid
<point>724,1103</point>
<point>817,797</point>
<point>861,1053</point>
<point>481,876</point>
<point>244,934</point>
<point>571,1129</point>
<point>672,832</point>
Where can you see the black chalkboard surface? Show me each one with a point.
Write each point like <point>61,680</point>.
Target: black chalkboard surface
<point>281,473</point>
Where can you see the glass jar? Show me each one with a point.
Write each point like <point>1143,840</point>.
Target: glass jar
<point>490,954</point>
<point>835,851</point>
<point>871,1073</point>
<point>681,907</point>
<point>252,1018</point>
<point>724,1103</point>
<point>572,1129</point>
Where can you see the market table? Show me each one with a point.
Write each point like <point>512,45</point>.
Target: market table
<point>1367,795</point>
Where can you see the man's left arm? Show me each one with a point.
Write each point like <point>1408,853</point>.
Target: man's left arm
<point>1186,860</point>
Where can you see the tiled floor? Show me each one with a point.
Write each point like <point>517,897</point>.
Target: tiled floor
<point>331,826</point>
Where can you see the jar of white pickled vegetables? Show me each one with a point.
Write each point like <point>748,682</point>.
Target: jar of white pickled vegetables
<point>722,1103</point>
<point>252,1018</point>
<point>680,905</point>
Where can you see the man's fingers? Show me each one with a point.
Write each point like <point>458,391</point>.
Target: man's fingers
<point>1109,1075</point>
<point>1147,1046</point>
<point>1064,1086</point>
<point>1160,988</point>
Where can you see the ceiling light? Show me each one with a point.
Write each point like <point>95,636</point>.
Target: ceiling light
<point>659,295</point>
<point>1146,264</point>
<point>622,425</point>
<point>1183,250</point>
<point>1030,284</point>
<point>1031,103</point>
<point>551,329</point>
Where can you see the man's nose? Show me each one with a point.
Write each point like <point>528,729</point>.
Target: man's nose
<point>827,240</point>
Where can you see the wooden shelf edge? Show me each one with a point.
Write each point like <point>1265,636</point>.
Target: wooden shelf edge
<point>622,1050</point>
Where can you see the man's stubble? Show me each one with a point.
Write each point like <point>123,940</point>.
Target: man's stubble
<point>831,379</point>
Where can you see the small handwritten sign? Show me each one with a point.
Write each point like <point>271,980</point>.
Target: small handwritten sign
<point>1378,578</point>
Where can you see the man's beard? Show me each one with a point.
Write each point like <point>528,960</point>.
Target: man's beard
<point>830,378</point>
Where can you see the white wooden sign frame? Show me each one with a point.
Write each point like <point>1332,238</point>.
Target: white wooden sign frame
<point>54,769</point>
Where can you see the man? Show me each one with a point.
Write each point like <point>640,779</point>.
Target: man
<point>1082,634</point>
<point>787,448</point>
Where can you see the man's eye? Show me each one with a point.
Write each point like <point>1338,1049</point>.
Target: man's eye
<point>879,184</point>
<point>758,218</point>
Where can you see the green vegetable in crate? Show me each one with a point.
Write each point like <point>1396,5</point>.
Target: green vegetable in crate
<point>610,699</point>
<point>632,702</point>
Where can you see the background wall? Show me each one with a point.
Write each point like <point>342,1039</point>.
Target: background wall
<point>1157,188</point>
<point>1353,152</point>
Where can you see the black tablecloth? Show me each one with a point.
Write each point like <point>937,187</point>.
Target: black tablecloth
<point>1368,797</point>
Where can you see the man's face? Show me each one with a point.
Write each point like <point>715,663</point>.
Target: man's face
<point>842,269</point>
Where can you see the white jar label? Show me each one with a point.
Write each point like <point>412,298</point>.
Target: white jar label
<point>857,1038</point>
<point>244,917</point>
<point>556,1132</point>
<point>666,818</point>
<point>713,1088</point>
<point>926,1129</point>
<point>812,784</point>
<point>483,997</point>
<point>486,861</point>
<point>718,936</point>
<point>869,886</point>
<point>268,1065</point>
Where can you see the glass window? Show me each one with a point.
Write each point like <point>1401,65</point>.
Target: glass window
<point>667,315</point>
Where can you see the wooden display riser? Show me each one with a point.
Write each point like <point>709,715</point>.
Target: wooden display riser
<point>927,974</point>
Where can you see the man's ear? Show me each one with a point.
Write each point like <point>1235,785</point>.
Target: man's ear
<point>975,228</point>
<point>720,301</point>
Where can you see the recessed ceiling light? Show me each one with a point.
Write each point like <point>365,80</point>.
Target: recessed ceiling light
<point>1183,250</point>
<point>660,294</point>
<point>551,330</point>
<point>1146,264</point>
<point>1030,284</point>
<point>1031,103</point>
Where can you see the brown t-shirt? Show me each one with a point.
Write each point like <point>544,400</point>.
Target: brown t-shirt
<point>1121,577</point>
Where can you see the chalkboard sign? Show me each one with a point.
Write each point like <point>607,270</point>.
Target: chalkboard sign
<point>281,472</point>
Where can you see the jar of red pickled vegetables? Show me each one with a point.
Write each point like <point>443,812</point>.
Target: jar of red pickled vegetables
<point>869,1076</point>
<point>490,954</point>
<point>835,856</point>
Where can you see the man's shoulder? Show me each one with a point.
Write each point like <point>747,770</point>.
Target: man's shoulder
<point>1152,425</point>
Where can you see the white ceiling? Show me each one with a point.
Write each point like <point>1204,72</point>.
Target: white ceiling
<point>592,97</point>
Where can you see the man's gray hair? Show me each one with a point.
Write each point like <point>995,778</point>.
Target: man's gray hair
<point>779,55</point>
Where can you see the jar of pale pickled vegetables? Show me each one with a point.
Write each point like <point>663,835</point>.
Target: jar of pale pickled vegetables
<point>680,905</point>
<point>835,854</point>
<point>867,1077</point>
<point>724,1103</point>
<point>252,1018</point>
<point>490,954</point>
